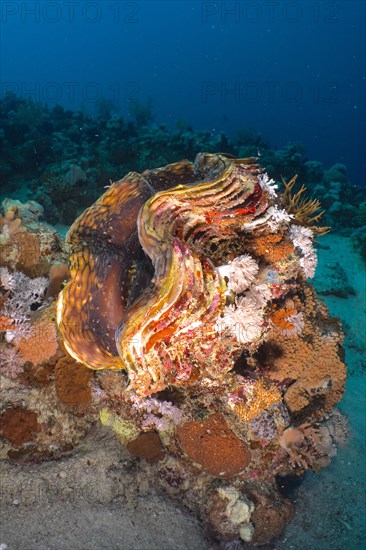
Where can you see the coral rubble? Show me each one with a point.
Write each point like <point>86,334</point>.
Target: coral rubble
<point>210,355</point>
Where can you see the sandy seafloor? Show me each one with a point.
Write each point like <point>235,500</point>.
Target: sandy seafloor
<point>95,500</point>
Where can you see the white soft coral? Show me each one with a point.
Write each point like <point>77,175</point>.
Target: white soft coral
<point>278,217</point>
<point>245,318</point>
<point>268,185</point>
<point>240,273</point>
<point>303,237</point>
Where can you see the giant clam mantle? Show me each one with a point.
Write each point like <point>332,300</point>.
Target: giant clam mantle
<point>222,250</point>
<point>168,334</point>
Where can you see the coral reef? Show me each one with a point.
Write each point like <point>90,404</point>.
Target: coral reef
<point>188,327</point>
<point>220,452</point>
<point>64,159</point>
<point>35,422</point>
<point>306,211</point>
<point>27,245</point>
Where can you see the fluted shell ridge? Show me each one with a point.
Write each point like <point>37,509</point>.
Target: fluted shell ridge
<point>172,321</point>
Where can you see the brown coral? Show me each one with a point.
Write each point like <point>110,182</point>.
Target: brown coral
<point>19,425</point>
<point>271,514</point>
<point>40,344</point>
<point>148,446</point>
<point>311,361</point>
<point>59,272</point>
<point>6,322</point>
<point>28,212</point>
<point>195,439</point>
<point>73,383</point>
<point>214,446</point>
<point>273,247</point>
<point>37,375</point>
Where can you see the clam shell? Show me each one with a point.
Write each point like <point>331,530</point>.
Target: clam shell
<point>166,334</point>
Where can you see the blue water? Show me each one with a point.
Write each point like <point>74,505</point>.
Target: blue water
<point>293,71</point>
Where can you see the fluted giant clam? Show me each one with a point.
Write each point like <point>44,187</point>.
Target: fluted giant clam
<point>146,292</point>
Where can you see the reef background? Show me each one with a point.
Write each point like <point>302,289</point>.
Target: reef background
<point>292,71</point>
<point>120,86</point>
<point>100,484</point>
